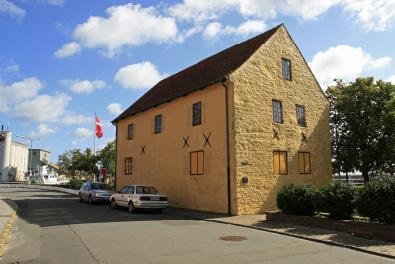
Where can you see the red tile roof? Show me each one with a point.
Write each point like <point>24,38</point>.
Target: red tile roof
<point>198,76</point>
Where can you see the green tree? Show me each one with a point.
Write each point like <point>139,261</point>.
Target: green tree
<point>107,157</point>
<point>363,126</point>
<point>76,163</point>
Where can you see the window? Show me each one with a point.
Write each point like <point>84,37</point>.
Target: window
<point>304,163</point>
<point>197,114</point>
<point>197,162</point>
<point>286,68</point>
<point>300,115</point>
<point>277,111</point>
<point>130,131</point>
<point>128,166</point>
<point>158,124</point>
<point>280,163</point>
<point>130,190</point>
<point>124,189</point>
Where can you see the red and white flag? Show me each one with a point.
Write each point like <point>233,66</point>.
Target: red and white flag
<point>99,128</point>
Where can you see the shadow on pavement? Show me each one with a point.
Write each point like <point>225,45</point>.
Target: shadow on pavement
<point>47,208</point>
<point>332,236</point>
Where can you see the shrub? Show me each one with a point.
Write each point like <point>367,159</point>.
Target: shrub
<point>75,184</point>
<point>297,199</point>
<point>337,199</point>
<point>376,200</point>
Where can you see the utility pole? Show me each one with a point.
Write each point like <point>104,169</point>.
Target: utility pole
<point>31,151</point>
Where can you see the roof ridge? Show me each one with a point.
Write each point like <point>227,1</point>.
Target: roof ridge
<point>196,76</point>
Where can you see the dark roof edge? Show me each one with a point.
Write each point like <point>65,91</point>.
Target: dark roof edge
<point>116,120</point>
<point>120,117</point>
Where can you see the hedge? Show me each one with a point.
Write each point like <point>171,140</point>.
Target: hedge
<point>376,200</point>
<point>297,199</point>
<point>337,199</point>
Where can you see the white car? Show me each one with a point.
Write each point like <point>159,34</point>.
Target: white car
<point>139,196</point>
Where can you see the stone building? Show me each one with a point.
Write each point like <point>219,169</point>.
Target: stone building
<point>226,133</point>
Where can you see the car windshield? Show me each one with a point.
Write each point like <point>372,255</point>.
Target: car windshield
<point>97,186</point>
<point>146,190</point>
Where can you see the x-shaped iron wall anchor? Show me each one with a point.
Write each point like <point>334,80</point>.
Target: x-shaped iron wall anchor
<point>143,149</point>
<point>275,134</point>
<point>304,138</point>
<point>207,139</point>
<point>185,142</point>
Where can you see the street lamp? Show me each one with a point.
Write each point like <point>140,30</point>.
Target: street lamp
<point>31,151</point>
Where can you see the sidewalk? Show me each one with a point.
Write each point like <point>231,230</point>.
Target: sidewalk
<point>7,219</point>
<point>313,234</point>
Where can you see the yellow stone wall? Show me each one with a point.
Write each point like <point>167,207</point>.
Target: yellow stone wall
<point>166,164</point>
<point>256,83</point>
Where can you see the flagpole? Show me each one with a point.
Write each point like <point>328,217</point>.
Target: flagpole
<point>94,138</point>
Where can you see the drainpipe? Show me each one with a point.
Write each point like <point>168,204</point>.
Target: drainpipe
<point>227,143</point>
<point>116,154</point>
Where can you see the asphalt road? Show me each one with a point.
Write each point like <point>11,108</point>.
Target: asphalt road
<point>55,228</point>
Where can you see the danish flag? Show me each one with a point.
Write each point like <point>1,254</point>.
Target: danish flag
<point>99,128</point>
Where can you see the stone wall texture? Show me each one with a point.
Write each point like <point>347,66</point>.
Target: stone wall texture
<point>256,83</point>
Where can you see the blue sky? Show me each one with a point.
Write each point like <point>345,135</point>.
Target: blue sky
<point>63,60</point>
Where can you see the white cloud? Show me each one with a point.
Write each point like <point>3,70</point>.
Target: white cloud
<point>43,130</point>
<point>22,90</point>
<point>391,79</point>
<point>71,118</point>
<point>114,109</point>
<point>19,91</point>
<point>42,108</point>
<point>10,8</point>
<point>215,29</point>
<point>68,50</point>
<point>344,62</point>
<point>205,10</point>
<point>126,25</point>
<point>83,132</point>
<point>12,68</point>
<point>53,2</point>
<point>138,76</point>
<point>86,86</point>
<point>376,15</point>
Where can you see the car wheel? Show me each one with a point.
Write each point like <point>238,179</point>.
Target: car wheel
<point>113,204</point>
<point>80,198</point>
<point>131,207</point>
<point>90,200</point>
<point>159,210</point>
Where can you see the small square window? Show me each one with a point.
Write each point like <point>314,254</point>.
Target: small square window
<point>197,114</point>
<point>130,131</point>
<point>277,111</point>
<point>286,69</point>
<point>300,115</point>
<point>158,124</point>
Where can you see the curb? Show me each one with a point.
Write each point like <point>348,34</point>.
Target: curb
<point>7,230</point>
<point>330,243</point>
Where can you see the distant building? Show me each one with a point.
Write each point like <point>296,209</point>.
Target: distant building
<point>13,158</point>
<point>39,158</point>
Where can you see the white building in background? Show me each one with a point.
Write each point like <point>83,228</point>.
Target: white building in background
<point>13,158</point>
